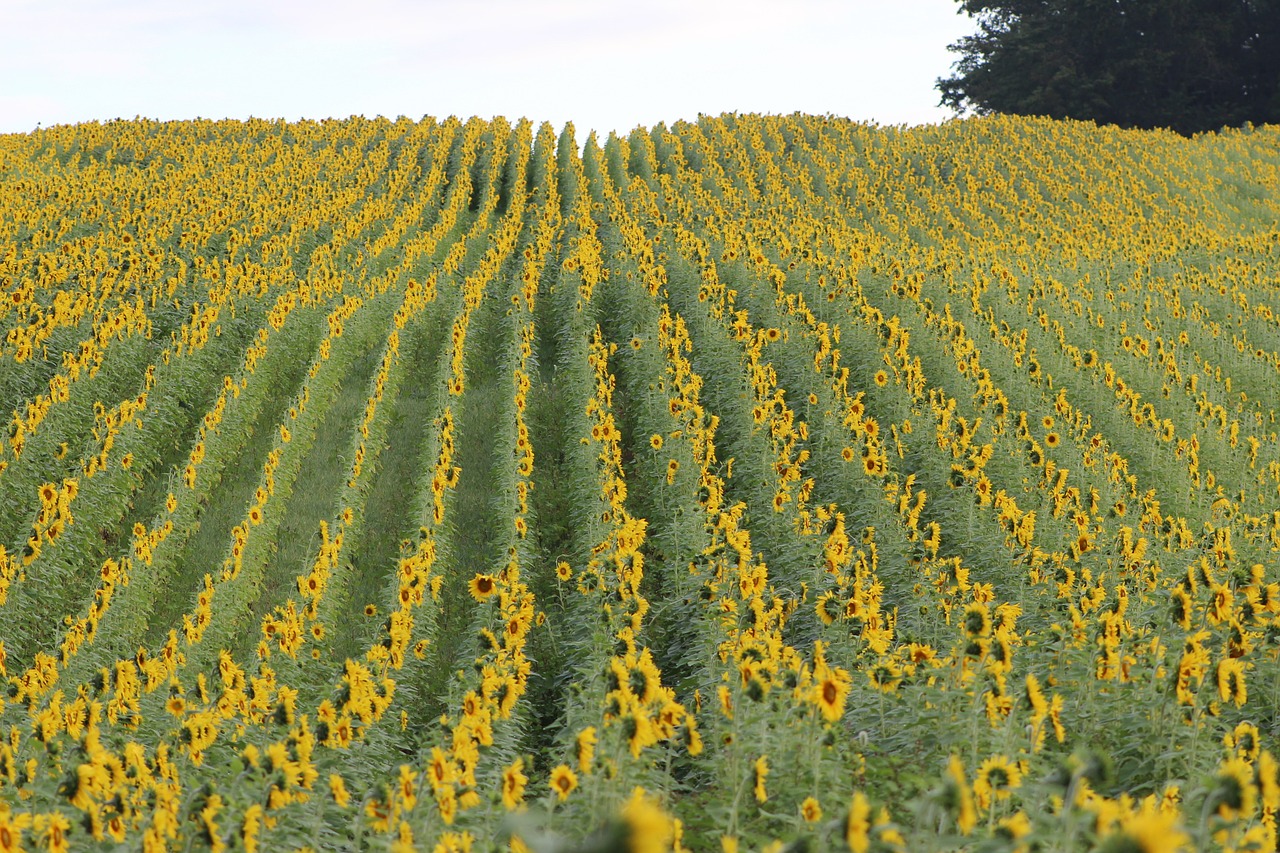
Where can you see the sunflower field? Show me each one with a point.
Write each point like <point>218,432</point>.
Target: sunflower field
<point>759,483</point>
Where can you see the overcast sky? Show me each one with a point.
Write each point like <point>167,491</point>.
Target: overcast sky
<point>605,65</point>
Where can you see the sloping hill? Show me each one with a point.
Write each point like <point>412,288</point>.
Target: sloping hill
<point>372,483</point>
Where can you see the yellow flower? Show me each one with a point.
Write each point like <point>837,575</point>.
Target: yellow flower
<point>811,810</point>
<point>655,441</point>
<point>404,839</point>
<point>648,829</point>
<point>513,782</point>
<point>830,691</point>
<point>11,829</point>
<point>760,771</point>
<point>250,826</point>
<point>338,788</point>
<point>408,786</point>
<point>1014,827</point>
<point>1149,830</point>
<point>958,798</point>
<point>857,825</point>
<point>1231,686</point>
<point>997,778</point>
<point>53,830</point>
<point>977,620</point>
<point>1244,739</point>
<point>482,587</point>
<point>563,781</point>
<point>447,801</point>
<point>1235,792</point>
<point>586,743</point>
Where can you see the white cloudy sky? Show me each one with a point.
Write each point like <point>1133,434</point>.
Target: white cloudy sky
<point>603,64</point>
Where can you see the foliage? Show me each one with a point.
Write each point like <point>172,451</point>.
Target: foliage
<point>1189,65</point>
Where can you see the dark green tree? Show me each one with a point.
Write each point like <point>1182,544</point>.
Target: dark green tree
<point>1189,65</point>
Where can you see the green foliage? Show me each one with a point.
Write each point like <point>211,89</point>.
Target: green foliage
<point>1188,65</point>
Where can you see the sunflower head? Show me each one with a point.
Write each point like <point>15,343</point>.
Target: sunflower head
<point>482,587</point>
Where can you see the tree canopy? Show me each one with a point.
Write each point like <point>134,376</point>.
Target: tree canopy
<point>1189,65</point>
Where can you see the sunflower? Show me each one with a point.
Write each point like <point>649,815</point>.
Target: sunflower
<point>655,441</point>
<point>563,781</point>
<point>886,675</point>
<point>831,691</point>
<point>828,607</point>
<point>447,802</point>
<point>857,824</point>
<point>1235,792</point>
<point>811,810</point>
<point>1052,440</point>
<point>977,620</point>
<point>958,798</point>
<point>1268,775</point>
<point>997,778</point>
<point>564,571</point>
<point>881,378</point>
<point>983,489</point>
<point>482,587</point>
<point>1181,607</point>
<point>1222,606</point>
<point>1148,830</point>
<point>513,782</point>
<point>54,827</point>
<point>647,828</point>
<point>1016,826</point>
<point>1035,698</point>
<point>760,771</point>
<point>1231,686</point>
<point>1244,741</point>
<point>586,745</point>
